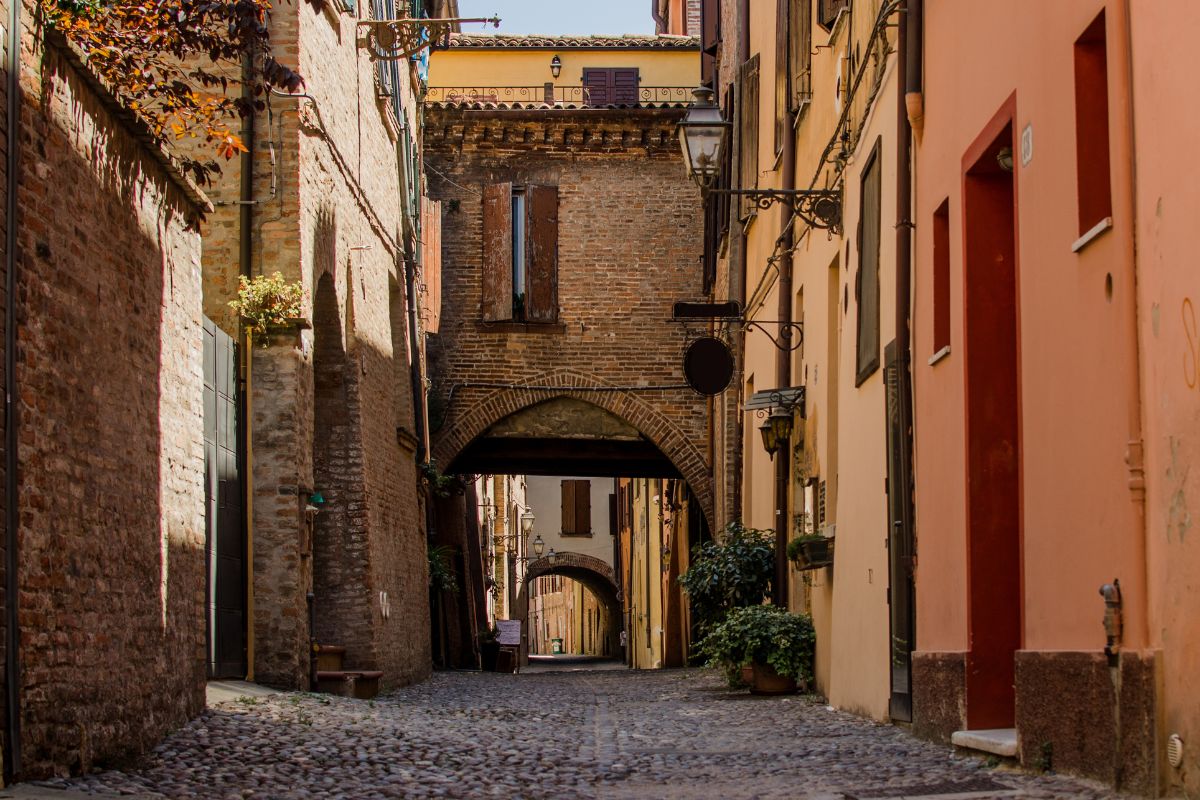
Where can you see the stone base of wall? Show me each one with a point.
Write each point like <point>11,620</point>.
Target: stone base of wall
<point>939,686</point>
<point>1077,714</point>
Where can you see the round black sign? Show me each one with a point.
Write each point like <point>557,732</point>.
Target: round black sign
<point>708,365</point>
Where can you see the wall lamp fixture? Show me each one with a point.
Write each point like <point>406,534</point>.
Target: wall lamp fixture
<point>555,66</point>
<point>777,409</point>
<point>702,137</point>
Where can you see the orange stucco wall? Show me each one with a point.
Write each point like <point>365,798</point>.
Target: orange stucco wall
<point>1167,128</point>
<point>1077,365</point>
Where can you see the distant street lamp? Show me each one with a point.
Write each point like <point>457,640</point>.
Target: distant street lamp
<point>539,547</point>
<point>551,555</point>
<point>555,66</point>
<point>527,522</point>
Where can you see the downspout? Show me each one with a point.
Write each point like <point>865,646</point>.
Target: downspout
<point>908,85</point>
<point>660,24</point>
<point>783,363</point>
<point>12,639</point>
<point>737,269</point>
<point>245,268</point>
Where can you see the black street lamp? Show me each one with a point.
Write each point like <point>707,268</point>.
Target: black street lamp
<point>702,137</point>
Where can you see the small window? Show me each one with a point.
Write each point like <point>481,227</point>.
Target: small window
<point>828,10</point>
<point>520,253</point>
<point>611,86</point>
<point>576,508</point>
<point>866,287</point>
<point>941,277</point>
<point>748,106</point>
<point>1091,127</point>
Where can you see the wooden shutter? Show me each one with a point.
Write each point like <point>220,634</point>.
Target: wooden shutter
<point>583,507</point>
<point>612,514</point>
<point>431,264</point>
<point>625,86</point>
<point>827,11</point>
<point>568,507</point>
<point>867,289</point>
<point>710,35</point>
<point>541,253</point>
<point>800,53</point>
<point>497,252</point>
<point>782,32</point>
<point>597,85</point>
<point>749,107</point>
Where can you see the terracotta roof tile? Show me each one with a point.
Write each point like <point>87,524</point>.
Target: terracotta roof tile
<point>629,41</point>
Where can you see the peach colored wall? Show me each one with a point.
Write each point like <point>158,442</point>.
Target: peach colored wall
<point>1167,127</point>
<point>1078,408</point>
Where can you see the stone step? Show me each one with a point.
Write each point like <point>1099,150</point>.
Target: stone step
<point>359,684</point>
<point>997,741</point>
<point>330,657</point>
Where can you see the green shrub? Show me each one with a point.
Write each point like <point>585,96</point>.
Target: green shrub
<point>732,573</point>
<point>766,635</point>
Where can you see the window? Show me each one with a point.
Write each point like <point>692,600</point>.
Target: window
<point>828,10</point>
<point>603,87</point>
<point>941,277</point>
<point>1091,127</point>
<point>800,54</point>
<point>520,253</point>
<point>576,508</point>
<point>387,73</point>
<point>748,133</point>
<point>866,286</point>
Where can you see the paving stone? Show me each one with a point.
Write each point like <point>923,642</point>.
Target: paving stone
<point>599,734</point>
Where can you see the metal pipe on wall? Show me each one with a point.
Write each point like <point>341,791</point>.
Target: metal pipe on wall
<point>12,639</point>
<point>783,360</point>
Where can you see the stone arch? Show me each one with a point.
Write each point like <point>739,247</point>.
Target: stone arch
<point>496,403</point>
<point>595,574</point>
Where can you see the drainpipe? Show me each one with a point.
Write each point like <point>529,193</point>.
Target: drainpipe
<point>12,639</point>
<point>908,85</point>
<point>245,268</point>
<point>783,365</point>
<point>418,384</point>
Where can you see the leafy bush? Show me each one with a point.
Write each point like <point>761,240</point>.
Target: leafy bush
<point>268,301</point>
<point>763,635</point>
<point>732,573</point>
<point>795,548</point>
<point>441,574</point>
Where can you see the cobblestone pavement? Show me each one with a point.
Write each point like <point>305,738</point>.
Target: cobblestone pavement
<point>601,734</point>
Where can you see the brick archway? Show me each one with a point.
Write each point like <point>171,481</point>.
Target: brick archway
<point>598,576</point>
<point>491,403</point>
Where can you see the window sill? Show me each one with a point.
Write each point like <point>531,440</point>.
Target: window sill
<point>566,535</point>
<point>520,327</point>
<point>939,355</point>
<point>1099,228</point>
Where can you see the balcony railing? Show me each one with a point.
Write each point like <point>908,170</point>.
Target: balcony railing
<point>568,96</point>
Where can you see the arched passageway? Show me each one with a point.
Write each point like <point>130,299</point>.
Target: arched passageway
<point>594,574</point>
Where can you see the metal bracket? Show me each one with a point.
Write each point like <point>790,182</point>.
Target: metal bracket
<point>786,332</point>
<point>819,208</point>
<point>397,39</point>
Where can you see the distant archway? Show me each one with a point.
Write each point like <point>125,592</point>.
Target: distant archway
<point>598,576</point>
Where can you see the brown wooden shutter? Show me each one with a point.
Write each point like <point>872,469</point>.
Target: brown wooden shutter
<point>782,32</point>
<point>827,11</point>
<point>497,252</point>
<point>541,253</point>
<point>625,86</point>
<point>583,507</point>
<point>568,507</point>
<point>612,514</point>
<point>800,53</point>
<point>868,270</point>
<point>431,264</point>
<point>749,107</point>
<point>597,84</point>
<point>710,35</point>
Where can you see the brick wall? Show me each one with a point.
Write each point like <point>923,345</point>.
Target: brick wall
<point>629,243</point>
<point>110,378</point>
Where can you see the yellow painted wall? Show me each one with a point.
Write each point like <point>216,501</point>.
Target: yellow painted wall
<point>477,67</point>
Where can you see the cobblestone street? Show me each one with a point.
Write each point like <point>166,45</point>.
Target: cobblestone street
<point>583,733</point>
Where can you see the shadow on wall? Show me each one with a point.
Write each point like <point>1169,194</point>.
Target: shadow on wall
<point>110,378</point>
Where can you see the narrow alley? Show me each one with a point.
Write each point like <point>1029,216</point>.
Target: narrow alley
<point>561,733</point>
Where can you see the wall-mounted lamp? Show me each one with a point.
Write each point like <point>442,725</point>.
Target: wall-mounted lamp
<point>539,547</point>
<point>1005,159</point>
<point>317,499</point>
<point>776,408</point>
<point>527,523</point>
<point>555,66</point>
<point>776,430</point>
<point>550,556</point>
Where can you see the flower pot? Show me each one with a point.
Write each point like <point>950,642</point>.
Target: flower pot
<point>815,553</point>
<point>767,681</point>
<point>748,674</point>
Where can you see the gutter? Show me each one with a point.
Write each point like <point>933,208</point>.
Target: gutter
<point>12,639</point>
<point>245,267</point>
<point>783,362</point>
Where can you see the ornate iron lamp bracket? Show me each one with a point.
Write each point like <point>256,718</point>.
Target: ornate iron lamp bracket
<point>819,208</point>
<point>789,338</point>
<point>397,39</point>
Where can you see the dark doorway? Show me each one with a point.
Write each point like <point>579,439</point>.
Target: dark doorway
<point>901,589</point>
<point>992,434</point>
<point>225,534</point>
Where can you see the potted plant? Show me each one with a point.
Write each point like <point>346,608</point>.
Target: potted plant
<point>489,649</point>
<point>734,572</point>
<point>777,645</point>
<point>810,551</point>
<point>269,304</point>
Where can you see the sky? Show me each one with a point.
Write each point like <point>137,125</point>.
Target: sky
<point>561,16</point>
